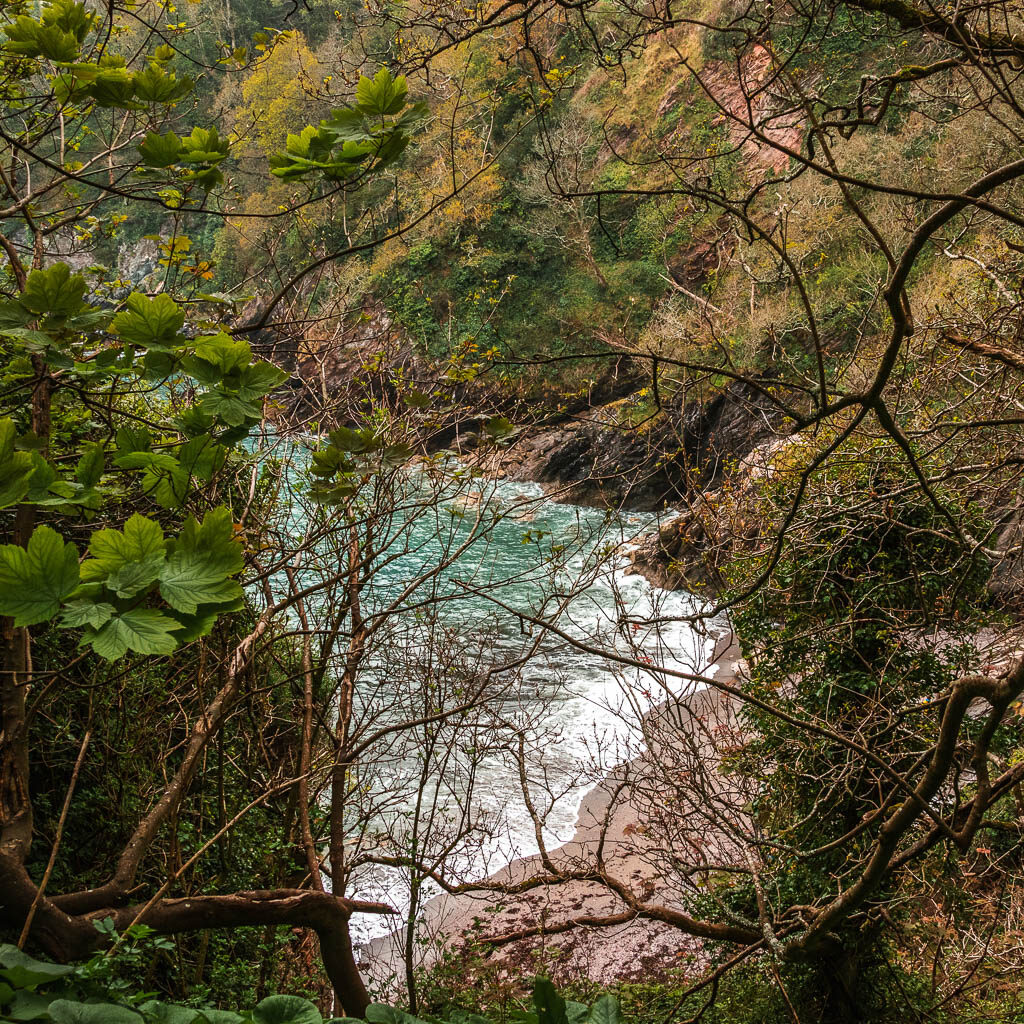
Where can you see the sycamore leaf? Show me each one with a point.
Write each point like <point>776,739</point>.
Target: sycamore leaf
<point>146,460</point>
<point>149,323</point>
<point>382,94</point>
<point>499,427</point>
<point>155,85</point>
<point>203,621</point>
<point>134,577</point>
<point>397,455</point>
<point>204,557</point>
<point>35,580</point>
<point>141,630</point>
<point>259,378</point>
<point>204,145</point>
<point>43,476</point>
<point>231,409</point>
<point>86,613</point>
<point>126,560</point>
<point>54,292</point>
<point>159,150</point>
<point>134,439</point>
<point>356,441</point>
<point>202,457</point>
<point>224,352</point>
<point>140,539</point>
<point>166,487</point>
<point>113,87</point>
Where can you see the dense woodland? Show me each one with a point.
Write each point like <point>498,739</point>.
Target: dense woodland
<point>288,287</point>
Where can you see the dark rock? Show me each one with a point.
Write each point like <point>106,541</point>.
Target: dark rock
<point>684,449</point>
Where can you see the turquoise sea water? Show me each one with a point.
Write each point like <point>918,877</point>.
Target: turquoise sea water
<point>565,715</point>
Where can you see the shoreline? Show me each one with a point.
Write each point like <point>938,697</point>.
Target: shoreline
<point>609,815</point>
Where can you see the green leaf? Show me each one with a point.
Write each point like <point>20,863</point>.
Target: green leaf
<point>417,399</point>
<point>65,1011</point>
<point>204,145</point>
<point>204,557</point>
<point>141,630</point>
<point>16,468</point>
<point>160,150</point>
<point>149,323</point>
<point>605,1010</point>
<point>202,457</point>
<point>13,316</point>
<point>381,1013</point>
<point>355,441</point>
<point>113,87</point>
<point>230,409</point>
<point>33,341</point>
<point>24,971</point>
<point>35,580</point>
<point>86,613</point>
<point>153,461</point>
<point>382,94</point>
<point>155,85</point>
<point>54,292</point>
<point>258,379</point>
<point>165,1013</point>
<point>27,1005</point>
<point>396,455</point>
<point>133,578</point>
<point>90,465</point>
<point>141,539</point>
<point>576,1012</point>
<point>200,624</point>
<point>549,1004</point>
<point>499,427</point>
<point>222,351</point>
<point>286,1010</point>
<point>134,439</point>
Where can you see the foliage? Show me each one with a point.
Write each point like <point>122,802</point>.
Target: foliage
<point>89,993</point>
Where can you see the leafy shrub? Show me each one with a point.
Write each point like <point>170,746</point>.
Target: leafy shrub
<point>90,993</point>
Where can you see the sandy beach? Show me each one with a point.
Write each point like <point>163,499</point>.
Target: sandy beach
<point>613,819</point>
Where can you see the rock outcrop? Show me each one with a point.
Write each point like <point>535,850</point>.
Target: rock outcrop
<point>602,458</point>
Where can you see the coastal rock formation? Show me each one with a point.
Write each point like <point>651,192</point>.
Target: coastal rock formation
<point>604,459</point>
<point>692,550</point>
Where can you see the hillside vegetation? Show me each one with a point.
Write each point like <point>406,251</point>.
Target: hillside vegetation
<point>288,286</point>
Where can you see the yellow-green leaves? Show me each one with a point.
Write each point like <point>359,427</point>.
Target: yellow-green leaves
<point>354,139</point>
<point>159,150</point>
<point>35,580</point>
<point>57,34</point>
